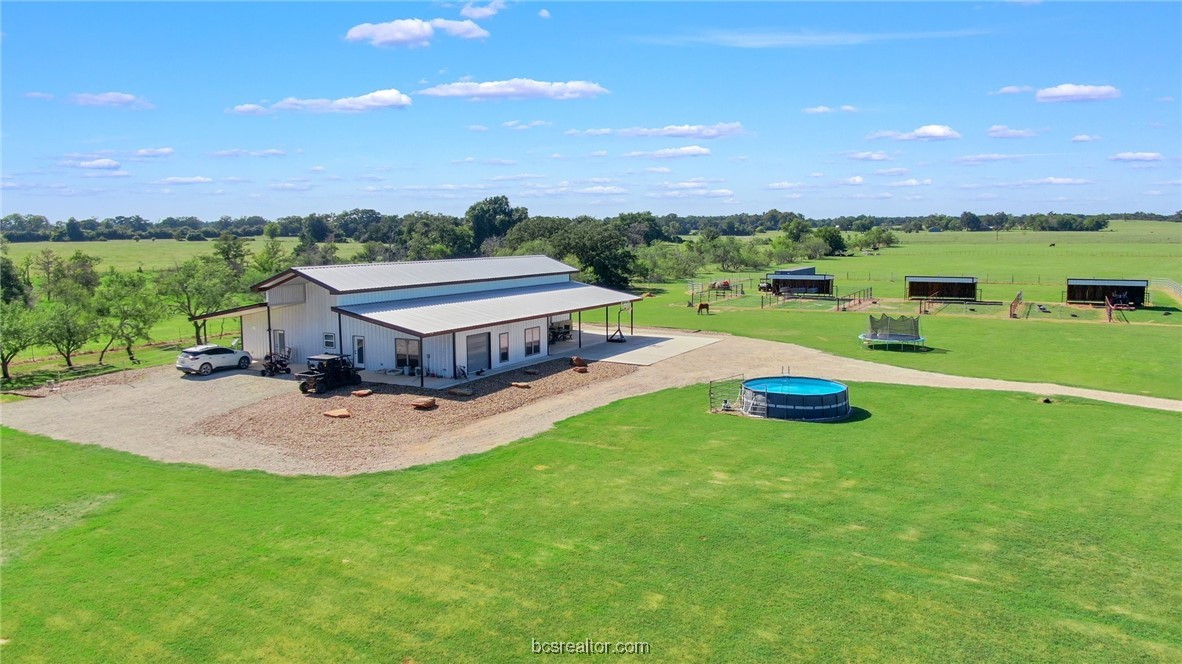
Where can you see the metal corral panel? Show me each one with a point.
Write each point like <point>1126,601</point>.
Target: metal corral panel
<point>1126,283</point>
<point>439,315</point>
<point>383,276</point>
<point>944,280</point>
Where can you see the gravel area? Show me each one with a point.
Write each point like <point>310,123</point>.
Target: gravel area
<point>239,420</point>
<point>80,384</point>
<point>384,430</point>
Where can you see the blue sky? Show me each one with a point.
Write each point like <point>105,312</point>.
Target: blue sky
<point>826,109</point>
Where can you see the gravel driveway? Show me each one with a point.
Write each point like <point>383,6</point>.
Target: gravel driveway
<point>226,420</point>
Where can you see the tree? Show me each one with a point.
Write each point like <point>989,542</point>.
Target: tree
<point>813,247</point>
<point>833,238</point>
<point>128,306</point>
<point>19,329</point>
<point>232,249</point>
<point>493,217</point>
<point>315,228</point>
<point>49,265</point>
<point>80,269</point>
<point>796,230</point>
<point>602,250</point>
<point>12,286</point>
<point>197,287</point>
<point>272,259</point>
<point>68,324</point>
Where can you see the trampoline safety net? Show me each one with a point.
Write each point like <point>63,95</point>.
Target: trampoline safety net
<point>885,327</point>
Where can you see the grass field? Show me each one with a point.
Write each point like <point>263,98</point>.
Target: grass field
<point>937,525</point>
<point>129,255</point>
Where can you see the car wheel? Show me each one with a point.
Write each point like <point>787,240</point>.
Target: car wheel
<point>244,363</point>
<point>287,371</point>
<point>321,388</point>
<point>303,387</point>
<point>262,372</point>
<point>205,369</point>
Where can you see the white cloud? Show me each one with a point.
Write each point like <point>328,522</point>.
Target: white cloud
<point>1136,156</point>
<point>154,152</point>
<point>197,179</point>
<point>1002,131</point>
<point>110,100</point>
<point>522,126</point>
<point>1084,138</point>
<point>816,174</point>
<point>500,162</point>
<point>692,183</point>
<point>659,169</point>
<point>108,174</point>
<point>892,171</point>
<point>557,155</point>
<point>412,31</point>
<point>544,13</point>
<point>1056,181</point>
<point>239,152</point>
<point>515,178</point>
<point>317,169</point>
<point>106,164</point>
<point>869,156</point>
<point>44,96</point>
<point>816,110</point>
<point>474,12</point>
<point>879,196</point>
<point>785,185</point>
<point>848,108</point>
<point>1166,99</point>
<point>912,182</point>
<point>517,88</point>
<point>602,190</point>
<point>720,130</point>
<point>694,193</point>
<point>587,132</point>
<point>380,99</point>
<point>1012,90</point>
<point>249,109</point>
<point>760,38</point>
<point>1073,92</point>
<point>291,186</point>
<point>924,133</point>
<point>983,158</point>
<point>856,180</point>
<point>599,153</point>
<point>477,127</point>
<point>673,153</point>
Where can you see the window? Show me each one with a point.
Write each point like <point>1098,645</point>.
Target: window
<point>533,341</point>
<point>406,352</point>
<point>503,339</point>
<point>330,341</point>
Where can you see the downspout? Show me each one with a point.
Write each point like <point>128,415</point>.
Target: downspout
<point>341,337</point>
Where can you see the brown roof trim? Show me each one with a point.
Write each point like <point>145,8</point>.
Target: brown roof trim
<point>288,275</point>
<point>423,335</point>
<point>233,310</point>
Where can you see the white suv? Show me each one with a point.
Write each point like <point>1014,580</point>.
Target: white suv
<point>204,359</point>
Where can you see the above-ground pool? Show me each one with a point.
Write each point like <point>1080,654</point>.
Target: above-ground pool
<point>795,398</point>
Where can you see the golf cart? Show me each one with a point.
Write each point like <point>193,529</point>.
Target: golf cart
<point>327,372</point>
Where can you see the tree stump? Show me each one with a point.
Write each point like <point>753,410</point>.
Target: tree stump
<point>338,412</point>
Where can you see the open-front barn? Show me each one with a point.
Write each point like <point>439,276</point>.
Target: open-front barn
<point>1124,292</point>
<point>942,288</point>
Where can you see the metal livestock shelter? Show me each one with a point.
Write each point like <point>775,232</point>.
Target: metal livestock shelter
<point>801,284</point>
<point>942,288</point>
<point>1131,292</point>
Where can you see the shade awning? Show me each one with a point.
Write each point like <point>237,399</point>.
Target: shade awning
<point>232,313</point>
<point>430,316</point>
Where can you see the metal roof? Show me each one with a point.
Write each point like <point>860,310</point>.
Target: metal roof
<point>232,313</point>
<point>799,277</point>
<point>945,280</point>
<point>429,316</point>
<point>1143,283</point>
<point>363,277</point>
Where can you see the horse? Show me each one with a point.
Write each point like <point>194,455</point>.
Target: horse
<point>703,306</point>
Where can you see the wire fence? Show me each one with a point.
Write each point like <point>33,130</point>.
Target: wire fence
<point>1168,285</point>
<point>987,278</point>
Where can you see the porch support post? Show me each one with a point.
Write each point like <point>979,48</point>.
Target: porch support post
<point>580,328</point>
<point>607,322</point>
<point>547,336</point>
<point>341,337</point>
<point>632,319</point>
<point>454,362</point>
<point>422,369</point>
<point>270,334</point>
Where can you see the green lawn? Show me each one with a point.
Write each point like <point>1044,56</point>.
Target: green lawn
<point>129,255</point>
<point>939,525</point>
<point>1141,358</point>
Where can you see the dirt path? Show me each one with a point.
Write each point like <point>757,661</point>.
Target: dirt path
<point>154,416</point>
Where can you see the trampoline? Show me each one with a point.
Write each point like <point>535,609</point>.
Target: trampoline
<point>885,330</point>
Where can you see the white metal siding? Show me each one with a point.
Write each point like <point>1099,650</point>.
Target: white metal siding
<point>254,334</point>
<point>448,289</point>
<point>305,324</point>
<point>288,293</point>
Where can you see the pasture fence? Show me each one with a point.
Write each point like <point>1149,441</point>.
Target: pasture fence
<point>1168,285</point>
<point>987,278</point>
<point>725,393</point>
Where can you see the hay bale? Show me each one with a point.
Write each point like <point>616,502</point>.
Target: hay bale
<point>460,392</point>
<point>423,403</point>
<point>361,393</point>
<point>579,370</point>
<point>524,386</point>
<point>337,412</point>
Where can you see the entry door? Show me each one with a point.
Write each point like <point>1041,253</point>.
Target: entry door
<point>359,352</point>
<point>479,351</point>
